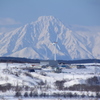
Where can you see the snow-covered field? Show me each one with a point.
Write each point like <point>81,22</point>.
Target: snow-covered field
<point>49,98</point>
<point>43,81</point>
<point>75,75</point>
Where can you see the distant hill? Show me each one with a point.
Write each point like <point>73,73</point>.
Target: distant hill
<point>18,60</point>
<point>26,60</point>
<point>79,61</point>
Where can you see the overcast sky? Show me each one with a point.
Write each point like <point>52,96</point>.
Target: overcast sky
<point>15,13</point>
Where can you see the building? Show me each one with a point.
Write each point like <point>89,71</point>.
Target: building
<point>77,66</point>
<point>29,69</point>
<point>49,63</point>
<point>64,66</point>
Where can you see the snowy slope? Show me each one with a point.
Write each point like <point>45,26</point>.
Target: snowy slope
<point>34,40</point>
<point>13,73</point>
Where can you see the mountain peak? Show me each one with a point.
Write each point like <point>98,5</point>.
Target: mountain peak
<point>46,18</point>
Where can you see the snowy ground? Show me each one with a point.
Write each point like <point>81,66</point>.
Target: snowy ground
<point>11,98</point>
<point>12,73</point>
<point>75,76</point>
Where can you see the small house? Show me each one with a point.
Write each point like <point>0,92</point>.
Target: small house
<point>29,69</point>
<point>57,70</point>
<point>64,66</point>
<point>80,66</point>
<point>77,66</point>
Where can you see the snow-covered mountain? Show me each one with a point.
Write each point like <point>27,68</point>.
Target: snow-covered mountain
<point>35,40</point>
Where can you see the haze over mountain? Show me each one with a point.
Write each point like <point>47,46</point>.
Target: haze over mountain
<point>35,40</point>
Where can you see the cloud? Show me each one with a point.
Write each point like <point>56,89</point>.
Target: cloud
<point>5,29</point>
<point>91,29</point>
<point>8,21</point>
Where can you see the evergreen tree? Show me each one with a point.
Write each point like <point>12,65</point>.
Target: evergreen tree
<point>18,94</point>
<point>26,94</point>
<point>31,94</point>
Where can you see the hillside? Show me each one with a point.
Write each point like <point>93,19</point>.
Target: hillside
<point>16,81</point>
